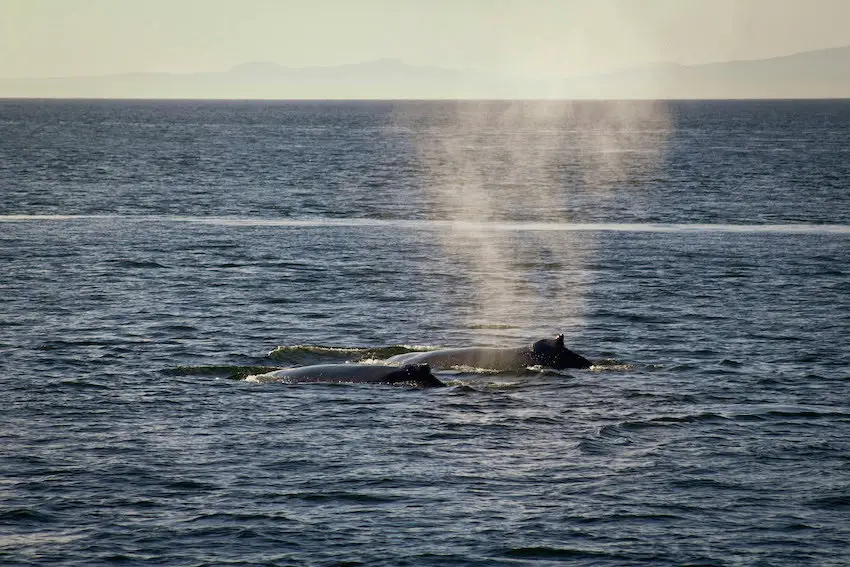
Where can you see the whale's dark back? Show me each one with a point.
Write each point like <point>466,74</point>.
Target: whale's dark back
<point>549,353</point>
<point>552,353</point>
<point>418,375</point>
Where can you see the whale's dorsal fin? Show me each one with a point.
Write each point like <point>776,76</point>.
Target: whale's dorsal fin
<point>559,341</point>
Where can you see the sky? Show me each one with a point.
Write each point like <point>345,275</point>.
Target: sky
<point>514,38</point>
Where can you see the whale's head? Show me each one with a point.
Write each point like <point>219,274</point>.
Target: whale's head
<point>415,375</point>
<point>553,354</point>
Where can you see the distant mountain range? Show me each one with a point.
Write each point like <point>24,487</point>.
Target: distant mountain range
<point>823,73</point>
<point>814,74</point>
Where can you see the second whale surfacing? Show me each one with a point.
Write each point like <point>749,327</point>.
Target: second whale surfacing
<point>548,353</point>
<point>417,375</point>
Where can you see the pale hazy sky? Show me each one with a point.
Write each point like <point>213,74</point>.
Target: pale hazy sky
<point>531,38</point>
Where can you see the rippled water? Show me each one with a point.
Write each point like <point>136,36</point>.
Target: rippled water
<point>154,253</point>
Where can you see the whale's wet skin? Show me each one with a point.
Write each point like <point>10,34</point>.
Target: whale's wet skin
<point>154,255</point>
<point>411,374</point>
<point>549,353</point>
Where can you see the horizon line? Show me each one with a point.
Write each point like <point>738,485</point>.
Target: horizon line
<point>446,99</point>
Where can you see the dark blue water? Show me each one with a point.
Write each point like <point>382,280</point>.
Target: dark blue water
<point>153,254</point>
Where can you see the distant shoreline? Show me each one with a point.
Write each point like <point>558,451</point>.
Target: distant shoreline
<point>819,74</point>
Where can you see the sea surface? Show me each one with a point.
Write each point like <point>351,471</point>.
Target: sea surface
<point>155,254</point>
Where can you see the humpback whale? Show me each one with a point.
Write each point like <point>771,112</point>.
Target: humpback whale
<point>550,353</point>
<point>418,375</point>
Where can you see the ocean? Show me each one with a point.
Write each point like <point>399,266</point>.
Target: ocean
<point>155,253</point>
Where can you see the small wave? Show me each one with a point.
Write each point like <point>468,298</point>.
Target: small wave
<point>762,413</point>
<point>594,447</point>
<point>492,326</point>
<point>673,420</point>
<point>611,365</point>
<point>225,533</point>
<point>17,516</point>
<point>708,483</point>
<point>179,328</point>
<point>138,264</point>
<point>611,432</point>
<point>805,414</point>
<point>337,496</point>
<point>542,552</point>
<point>221,371</point>
<point>501,385</point>
<point>82,384</point>
<point>59,344</point>
<point>832,502</point>
<point>623,430</point>
<point>189,485</point>
<point>456,388</point>
<point>218,517</point>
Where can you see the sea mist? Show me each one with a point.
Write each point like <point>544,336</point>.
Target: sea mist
<point>491,168</point>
